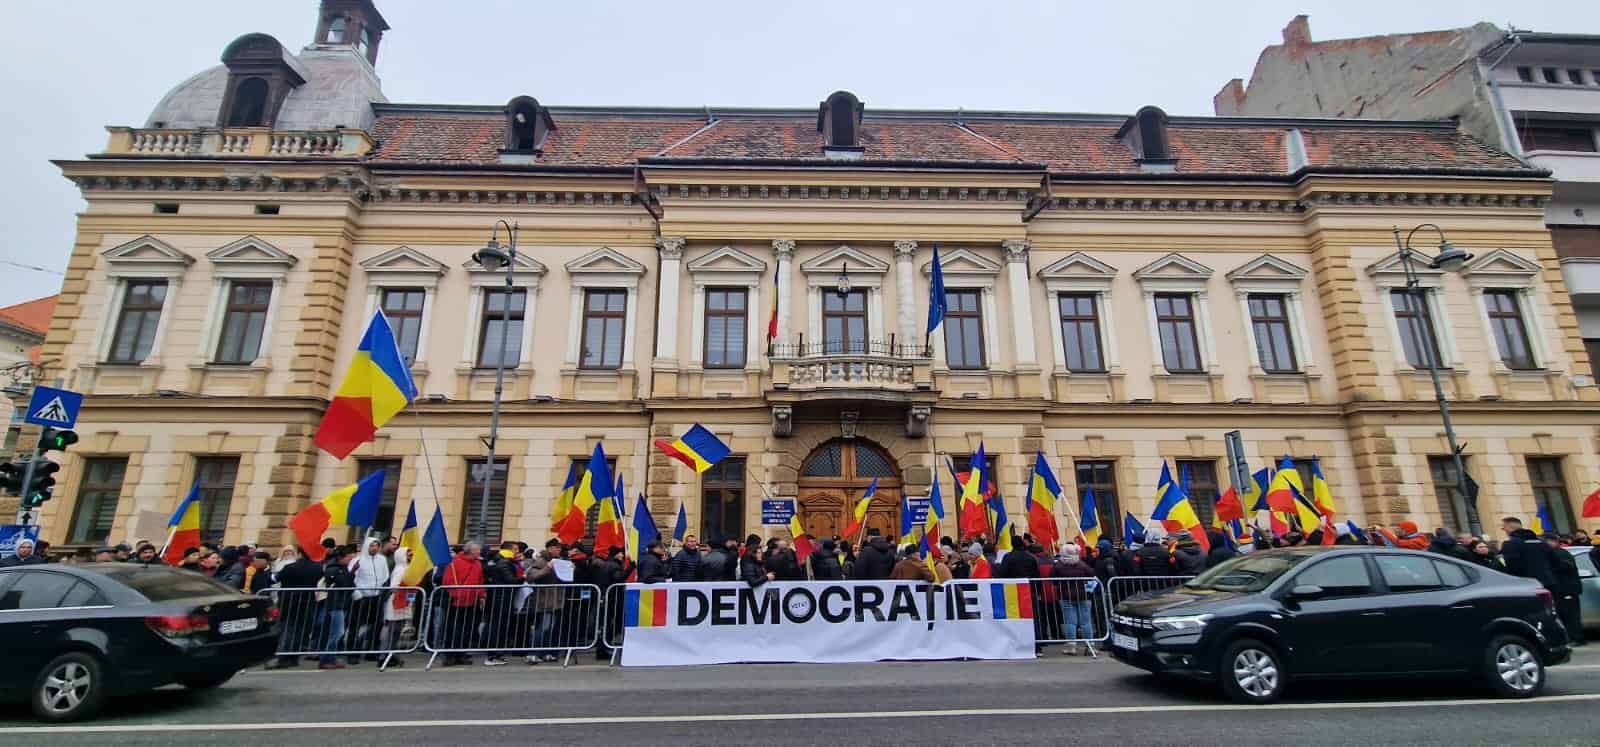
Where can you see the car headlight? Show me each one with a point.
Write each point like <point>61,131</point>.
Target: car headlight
<point>1186,622</point>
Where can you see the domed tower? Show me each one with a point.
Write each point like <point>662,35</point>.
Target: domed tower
<point>330,84</point>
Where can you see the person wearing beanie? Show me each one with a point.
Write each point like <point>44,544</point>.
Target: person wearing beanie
<point>1152,558</point>
<point>1405,536</point>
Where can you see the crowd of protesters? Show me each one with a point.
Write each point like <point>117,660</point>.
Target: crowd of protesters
<point>524,599</point>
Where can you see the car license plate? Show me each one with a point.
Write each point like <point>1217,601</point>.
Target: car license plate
<point>1125,641</point>
<point>242,625</point>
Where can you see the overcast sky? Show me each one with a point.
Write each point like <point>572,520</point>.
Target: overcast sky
<point>68,68</point>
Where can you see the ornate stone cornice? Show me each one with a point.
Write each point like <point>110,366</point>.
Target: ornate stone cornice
<point>842,192</point>
<point>351,180</point>
<point>1318,199</point>
<point>399,194</point>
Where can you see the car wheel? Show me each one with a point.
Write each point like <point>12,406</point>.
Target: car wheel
<point>1512,667</point>
<point>1251,672</point>
<point>205,681</point>
<point>69,688</point>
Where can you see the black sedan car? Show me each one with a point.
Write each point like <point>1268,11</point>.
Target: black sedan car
<point>1260,620</point>
<point>76,634</point>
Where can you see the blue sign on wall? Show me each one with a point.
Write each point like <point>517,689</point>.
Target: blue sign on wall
<point>776,513</point>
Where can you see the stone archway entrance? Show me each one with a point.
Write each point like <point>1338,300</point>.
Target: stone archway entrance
<point>836,474</point>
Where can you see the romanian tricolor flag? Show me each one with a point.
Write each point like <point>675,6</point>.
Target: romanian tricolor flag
<point>858,515</point>
<point>430,547</point>
<point>563,504</point>
<point>594,487</point>
<point>642,531</point>
<point>645,608</point>
<point>1043,491</point>
<point>974,488</point>
<point>608,531</point>
<point>908,525</point>
<point>1011,601</point>
<point>1542,522</point>
<point>930,530</point>
<point>698,448</point>
<point>802,541</point>
<point>1089,522</point>
<point>1174,511</point>
<point>183,530</point>
<point>680,528</point>
<point>1001,522</point>
<point>1321,496</point>
<point>352,505</point>
<point>377,386</point>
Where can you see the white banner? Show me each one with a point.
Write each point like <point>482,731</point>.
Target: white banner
<point>825,621</point>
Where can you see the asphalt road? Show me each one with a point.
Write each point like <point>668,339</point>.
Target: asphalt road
<point>1055,700</point>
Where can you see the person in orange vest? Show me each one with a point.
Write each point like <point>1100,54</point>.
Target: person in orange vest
<point>1407,537</point>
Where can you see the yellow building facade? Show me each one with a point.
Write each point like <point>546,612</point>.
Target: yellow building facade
<point>1122,291</point>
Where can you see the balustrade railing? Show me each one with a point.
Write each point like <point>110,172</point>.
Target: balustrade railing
<point>254,142</point>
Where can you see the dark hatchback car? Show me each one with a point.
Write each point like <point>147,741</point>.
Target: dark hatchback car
<point>1258,621</point>
<point>73,635</point>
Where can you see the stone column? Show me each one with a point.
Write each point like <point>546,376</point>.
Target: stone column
<point>905,294</point>
<point>665,366</point>
<point>784,250</point>
<point>1021,293</point>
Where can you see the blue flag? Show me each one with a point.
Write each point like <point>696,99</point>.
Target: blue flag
<point>937,303</point>
<point>682,527</point>
<point>1356,532</point>
<point>1132,530</point>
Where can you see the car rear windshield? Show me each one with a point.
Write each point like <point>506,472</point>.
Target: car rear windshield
<point>1252,572</point>
<point>159,584</point>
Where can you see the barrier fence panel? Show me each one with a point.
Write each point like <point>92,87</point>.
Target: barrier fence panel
<point>348,622</point>
<point>1069,611</point>
<point>611,619</point>
<point>1119,588</point>
<point>541,621</point>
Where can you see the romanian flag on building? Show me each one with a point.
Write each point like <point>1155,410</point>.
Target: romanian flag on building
<point>974,488</point>
<point>608,531</point>
<point>429,548</point>
<point>1089,522</point>
<point>930,530</point>
<point>183,529</point>
<point>697,448</point>
<point>563,503</point>
<point>1043,491</point>
<point>1174,511</point>
<point>1542,522</point>
<point>802,541</point>
<point>352,505</point>
<point>377,386</point>
<point>593,487</point>
<point>1001,522</point>
<point>858,515</point>
<point>642,531</point>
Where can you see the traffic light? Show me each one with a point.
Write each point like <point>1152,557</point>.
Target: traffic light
<point>11,476</point>
<point>44,484</point>
<point>51,439</point>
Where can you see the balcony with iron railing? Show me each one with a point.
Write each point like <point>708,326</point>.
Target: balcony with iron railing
<point>238,142</point>
<point>840,365</point>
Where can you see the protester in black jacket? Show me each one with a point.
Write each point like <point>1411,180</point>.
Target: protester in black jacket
<point>825,563</point>
<point>1105,561</point>
<point>781,562</point>
<point>1018,563</point>
<point>1564,569</point>
<point>1220,551</point>
<point>750,568</point>
<point>1187,557</point>
<point>686,564</point>
<point>1524,554</point>
<point>722,563</point>
<point>875,559</point>
<point>1152,558</point>
<point>653,566</point>
<point>1445,543</point>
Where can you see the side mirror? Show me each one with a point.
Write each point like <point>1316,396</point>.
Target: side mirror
<point>1306,591</point>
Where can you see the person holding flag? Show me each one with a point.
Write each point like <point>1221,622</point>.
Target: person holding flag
<point>183,529</point>
<point>376,387</point>
<point>1043,492</point>
<point>641,533</point>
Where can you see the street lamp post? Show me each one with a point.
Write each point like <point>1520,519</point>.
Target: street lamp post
<point>1449,259</point>
<point>492,257</point>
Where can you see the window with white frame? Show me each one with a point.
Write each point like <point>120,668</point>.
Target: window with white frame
<point>967,341</point>
<point>1503,282</point>
<point>857,315</point>
<point>1179,313</point>
<point>402,282</point>
<point>145,274</point>
<point>490,300</point>
<point>726,322</point>
<point>603,310</point>
<point>1268,289</point>
<point>1085,335</point>
<point>1413,321</point>
<point>248,278</point>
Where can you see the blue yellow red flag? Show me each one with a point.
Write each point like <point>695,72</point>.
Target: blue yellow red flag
<point>697,448</point>
<point>376,387</point>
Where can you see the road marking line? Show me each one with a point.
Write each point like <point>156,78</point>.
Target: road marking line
<point>833,716</point>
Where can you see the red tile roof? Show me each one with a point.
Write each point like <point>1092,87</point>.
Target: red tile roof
<point>31,315</point>
<point>1062,144</point>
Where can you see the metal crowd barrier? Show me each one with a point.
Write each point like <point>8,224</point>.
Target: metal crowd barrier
<point>1119,588</point>
<point>348,622</point>
<point>532,620</point>
<point>1070,610</point>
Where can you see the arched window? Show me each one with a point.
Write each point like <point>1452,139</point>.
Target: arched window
<point>337,30</point>
<point>840,119</point>
<point>1153,134</point>
<point>249,104</point>
<point>522,128</point>
<point>528,125</point>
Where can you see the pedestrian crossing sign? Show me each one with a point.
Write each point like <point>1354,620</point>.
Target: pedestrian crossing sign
<point>57,408</point>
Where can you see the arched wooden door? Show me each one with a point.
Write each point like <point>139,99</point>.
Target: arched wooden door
<point>836,475</point>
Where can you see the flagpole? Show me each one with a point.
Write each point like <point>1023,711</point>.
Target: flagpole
<point>433,489</point>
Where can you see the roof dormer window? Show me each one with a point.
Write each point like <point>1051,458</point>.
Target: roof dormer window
<point>1145,133</point>
<point>528,127</point>
<point>336,30</point>
<point>839,121</point>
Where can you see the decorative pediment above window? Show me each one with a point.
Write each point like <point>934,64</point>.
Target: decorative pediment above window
<point>864,269</point>
<point>1390,272</point>
<point>1173,273</point>
<point>605,267</point>
<point>1268,274</point>
<point>404,266</point>
<point>1501,268</point>
<point>959,262</point>
<point>726,260</point>
<point>252,257</point>
<point>1077,272</point>
<point>528,273</point>
<point>146,256</point>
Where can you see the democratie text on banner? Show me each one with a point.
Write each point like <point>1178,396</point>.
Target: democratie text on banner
<point>826,621</point>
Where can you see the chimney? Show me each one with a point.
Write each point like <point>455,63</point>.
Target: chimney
<point>1298,32</point>
<point>1230,100</point>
